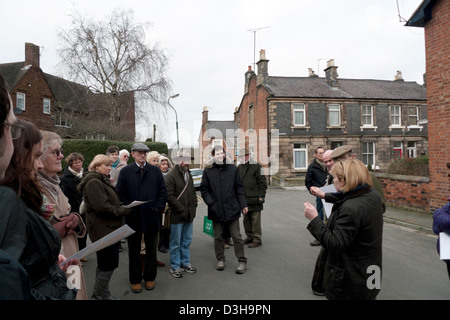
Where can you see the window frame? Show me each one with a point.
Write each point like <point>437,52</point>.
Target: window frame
<point>334,111</point>
<point>300,149</point>
<point>367,153</point>
<point>18,105</point>
<point>366,115</point>
<point>43,105</point>
<point>302,111</point>
<point>392,115</point>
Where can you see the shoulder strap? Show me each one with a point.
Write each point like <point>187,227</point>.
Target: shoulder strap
<point>183,190</point>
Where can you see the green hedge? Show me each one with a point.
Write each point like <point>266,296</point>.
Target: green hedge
<point>90,148</point>
<point>410,166</point>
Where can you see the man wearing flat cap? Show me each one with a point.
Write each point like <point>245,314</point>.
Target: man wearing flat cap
<point>345,152</point>
<point>255,186</point>
<point>144,182</point>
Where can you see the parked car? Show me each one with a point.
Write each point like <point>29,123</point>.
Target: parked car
<point>197,177</point>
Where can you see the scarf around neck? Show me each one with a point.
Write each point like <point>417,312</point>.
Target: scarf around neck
<point>51,184</point>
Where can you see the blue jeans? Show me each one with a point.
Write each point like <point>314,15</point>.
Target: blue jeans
<point>180,241</point>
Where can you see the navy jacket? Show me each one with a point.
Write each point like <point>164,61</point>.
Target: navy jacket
<point>146,186</point>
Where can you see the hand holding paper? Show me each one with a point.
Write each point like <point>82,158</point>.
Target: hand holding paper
<point>135,203</point>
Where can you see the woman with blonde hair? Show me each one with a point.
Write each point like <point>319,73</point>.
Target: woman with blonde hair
<point>103,215</point>
<point>352,238</point>
<point>48,179</point>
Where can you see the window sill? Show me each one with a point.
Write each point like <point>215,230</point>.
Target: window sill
<point>396,127</point>
<point>414,127</point>
<point>374,128</point>
<point>300,127</point>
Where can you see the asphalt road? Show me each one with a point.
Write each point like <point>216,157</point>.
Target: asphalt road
<point>281,269</point>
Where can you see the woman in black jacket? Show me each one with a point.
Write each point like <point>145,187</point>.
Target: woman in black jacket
<point>350,259</point>
<point>103,215</point>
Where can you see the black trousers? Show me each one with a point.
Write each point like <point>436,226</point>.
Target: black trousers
<point>108,258</point>
<point>136,274</point>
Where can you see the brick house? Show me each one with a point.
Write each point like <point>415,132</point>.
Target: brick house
<point>382,120</point>
<point>214,132</point>
<point>434,17</point>
<point>53,103</point>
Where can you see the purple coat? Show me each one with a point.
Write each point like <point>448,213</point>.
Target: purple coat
<point>441,221</point>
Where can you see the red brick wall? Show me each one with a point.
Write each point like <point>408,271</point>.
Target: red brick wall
<point>437,39</point>
<point>406,191</point>
<point>35,88</point>
<point>256,97</point>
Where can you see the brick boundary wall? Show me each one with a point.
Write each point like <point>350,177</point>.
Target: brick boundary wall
<point>406,192</point>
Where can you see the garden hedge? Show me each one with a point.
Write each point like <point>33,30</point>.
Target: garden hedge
<point>90,148</point>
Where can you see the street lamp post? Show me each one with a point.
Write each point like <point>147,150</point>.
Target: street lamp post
<point>176,117</point>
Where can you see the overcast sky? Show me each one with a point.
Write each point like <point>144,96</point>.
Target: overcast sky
<point>210,46</point>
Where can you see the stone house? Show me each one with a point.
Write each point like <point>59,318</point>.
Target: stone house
<point>291,116</point>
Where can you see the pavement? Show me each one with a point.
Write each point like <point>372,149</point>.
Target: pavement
<point>402,217</point>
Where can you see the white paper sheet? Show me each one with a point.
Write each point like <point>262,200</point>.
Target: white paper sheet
<point>444,245</point>
<point>326,205</point>
<point>104,242</point>
<point>135,203</point>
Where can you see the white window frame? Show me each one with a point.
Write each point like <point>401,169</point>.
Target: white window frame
<point>301,148</point>
<point>18,100</point>
<point>394,115</point>
<point>366,153</point>
<point>46,109</point>
<point>301,109</point>
<point>367,115</point>
<point>338,111</point>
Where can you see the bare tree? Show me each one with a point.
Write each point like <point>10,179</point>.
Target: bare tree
<point>111,58</point>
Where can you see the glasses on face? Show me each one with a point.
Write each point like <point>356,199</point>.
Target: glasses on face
<point>16,130</point>
<point>57,152</point>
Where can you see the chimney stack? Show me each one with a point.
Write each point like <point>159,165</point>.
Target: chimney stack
<point>248,76</point>
<point>205,116</point>
<point>311,73</point>
<point>31,55</point>
<point>398,76</point>
<point>263,68</point>
<point>331,74</point>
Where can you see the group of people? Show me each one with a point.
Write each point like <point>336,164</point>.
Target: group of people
<point>46,217</point>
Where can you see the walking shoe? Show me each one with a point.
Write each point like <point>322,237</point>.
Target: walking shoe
<point>315,243</point>
<point>242,267</point>
<point>248,240</point>
<point>188,268</point>
<point>136,288</point>
<point>177,273</point>
<point>220,265</point>
<point>225,245</point>
<point>255,244</point>
<point>150,285</point>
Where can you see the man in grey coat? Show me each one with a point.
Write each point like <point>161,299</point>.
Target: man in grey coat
<point>182,201</point>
